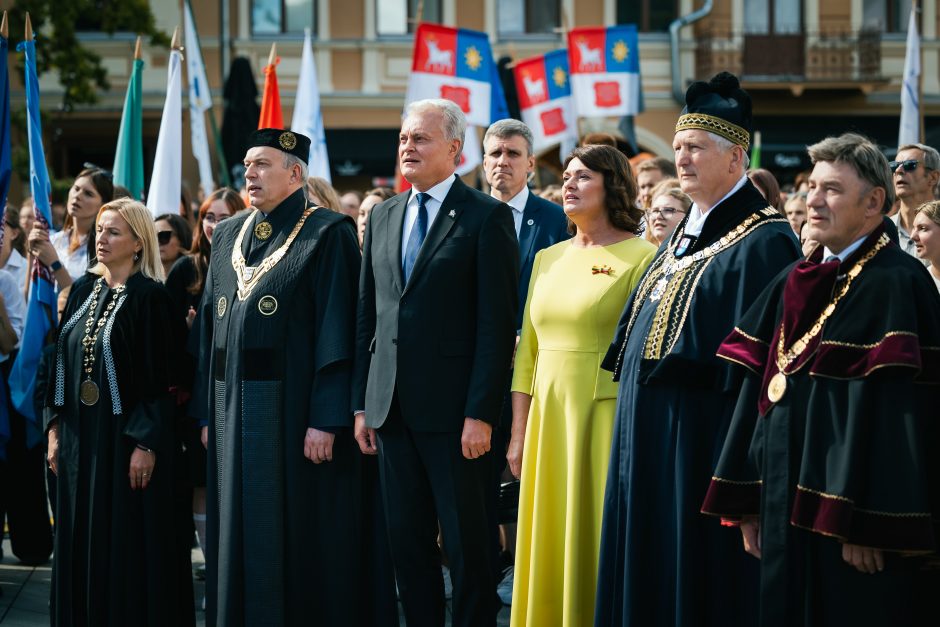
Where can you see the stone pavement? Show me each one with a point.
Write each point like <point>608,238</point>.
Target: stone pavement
<point>25,600</point>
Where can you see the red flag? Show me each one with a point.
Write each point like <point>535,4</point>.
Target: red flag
<point>271,116</point>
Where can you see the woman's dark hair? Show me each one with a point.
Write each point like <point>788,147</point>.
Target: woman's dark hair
<point>201,248</point>
<point>620,190</point>
<point>382,192</point>
<point>181,228</point>
<point>767,182</point>
<point>11,217</point>
<point>103,182</point>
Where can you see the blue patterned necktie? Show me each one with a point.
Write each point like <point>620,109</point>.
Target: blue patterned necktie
<point>418,232</point>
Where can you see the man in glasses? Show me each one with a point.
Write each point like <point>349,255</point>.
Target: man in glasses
<point>915,172</point>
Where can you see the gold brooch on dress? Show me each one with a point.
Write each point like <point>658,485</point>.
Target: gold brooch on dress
<point>604,269</point>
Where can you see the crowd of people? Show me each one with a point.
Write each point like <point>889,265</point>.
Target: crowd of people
<point>681,365</point>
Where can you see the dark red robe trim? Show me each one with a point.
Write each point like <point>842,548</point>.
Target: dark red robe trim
<point>838,517</point>
<point>745,350</point>
<point>732,499</point>
<point>845,361</point>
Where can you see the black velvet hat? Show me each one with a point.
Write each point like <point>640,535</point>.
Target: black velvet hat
<point>719,106</point>
<point>286,141</point>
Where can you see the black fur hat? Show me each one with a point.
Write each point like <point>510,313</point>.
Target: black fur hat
<point>719,106</point>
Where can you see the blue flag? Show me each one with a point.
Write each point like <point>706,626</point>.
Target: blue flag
<point>6,166</point>
<point>41,309</point>
<point>5,169</point>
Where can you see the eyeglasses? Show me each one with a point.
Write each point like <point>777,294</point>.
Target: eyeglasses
<point>211,218</point>
<point>909,165</point>
<point>666,212</point>
<point>164,237</point>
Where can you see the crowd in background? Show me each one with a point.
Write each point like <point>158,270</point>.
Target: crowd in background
<point>648,205</point>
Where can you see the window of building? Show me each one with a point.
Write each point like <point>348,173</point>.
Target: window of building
<point>278,17</point>
<point>399,17</point>
<point>648,15</point>
<point>888,16</point>
<point>772,17</point>
<point>527,17</point>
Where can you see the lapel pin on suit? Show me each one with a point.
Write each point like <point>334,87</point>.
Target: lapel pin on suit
<point>452,214</point>
<point>530,222</point>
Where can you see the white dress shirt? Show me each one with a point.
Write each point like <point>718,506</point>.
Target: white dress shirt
<point>433,205</point>
<point>15,305</point>
<point>697,218</point>
<point>845,254</point>
<point>517,204</point>
<point>75,262</point>
<point>16,265</point>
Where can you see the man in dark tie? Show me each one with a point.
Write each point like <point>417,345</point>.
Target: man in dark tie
<point>436,319</point>
<point>508,162</point>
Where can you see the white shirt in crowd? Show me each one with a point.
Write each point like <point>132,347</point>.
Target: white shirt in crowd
<point>15,304</point>
<point>76,262</point>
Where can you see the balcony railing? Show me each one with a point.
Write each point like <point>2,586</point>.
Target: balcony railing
<point>824,56</point>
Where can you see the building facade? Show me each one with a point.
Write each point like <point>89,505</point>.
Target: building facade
<point>813,68</point>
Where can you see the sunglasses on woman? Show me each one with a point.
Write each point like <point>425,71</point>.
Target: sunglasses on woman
<point>164,237</point>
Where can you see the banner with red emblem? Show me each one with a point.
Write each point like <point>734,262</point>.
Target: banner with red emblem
<point>605,70</point>
<point>544,90</point>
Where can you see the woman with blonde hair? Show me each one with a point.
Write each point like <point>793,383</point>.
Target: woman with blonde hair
<point>321,193</point>
<point>926,237</point>
<point>110,431</point>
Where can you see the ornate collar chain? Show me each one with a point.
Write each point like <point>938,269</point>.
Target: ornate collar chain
<point>671,265</point>
<point>786,357</point>
<point>249,276</point>
<point>88,390</point>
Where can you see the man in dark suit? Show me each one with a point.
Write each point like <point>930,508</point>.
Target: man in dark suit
<point>508,162</point>
<point>436,316</point>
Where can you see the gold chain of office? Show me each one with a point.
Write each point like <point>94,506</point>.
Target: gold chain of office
<point>778,383</point>
<point>249,276</point>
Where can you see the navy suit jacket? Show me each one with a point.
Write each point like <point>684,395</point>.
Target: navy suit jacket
<point>543,223</point>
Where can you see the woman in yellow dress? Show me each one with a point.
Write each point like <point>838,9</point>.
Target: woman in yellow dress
<point>563,404</point>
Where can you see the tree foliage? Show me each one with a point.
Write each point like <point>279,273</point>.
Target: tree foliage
<point>57,24</point>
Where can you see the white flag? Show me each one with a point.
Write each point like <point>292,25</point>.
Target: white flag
<point>909,132</point>
<point>166,181</point>
<point>472,154</point>
<point>200,100</point>
<point>307,117</point>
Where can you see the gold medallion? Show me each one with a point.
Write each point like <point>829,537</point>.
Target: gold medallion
<point>777,387</point>
<point>267,305</point>
<point>287,140</point>
<point>263,230</point>
<point>88,392</point>
<point>221,306</point>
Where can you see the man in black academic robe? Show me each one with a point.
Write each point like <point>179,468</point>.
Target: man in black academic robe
<point>283,478</point>
<point>830,464</point>
<point>661,562</point>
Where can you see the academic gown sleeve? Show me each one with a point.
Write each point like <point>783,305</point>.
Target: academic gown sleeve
<point>335,296</point>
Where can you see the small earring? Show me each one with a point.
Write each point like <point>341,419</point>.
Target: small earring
<point>136,256</point>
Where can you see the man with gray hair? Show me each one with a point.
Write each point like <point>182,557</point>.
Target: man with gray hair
<point>662,562</point>
<point>508,162</point>
<point>435,329</point>
<point>829,467</point>
<point>916,172</point>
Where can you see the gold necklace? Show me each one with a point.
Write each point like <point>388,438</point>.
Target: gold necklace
<point>777,387</point>
<point>88,390</point>
<point>249,276</point>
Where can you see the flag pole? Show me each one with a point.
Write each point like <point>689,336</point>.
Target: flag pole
<point>273,56</point>
<point>5,27</point>
<point>29,29</point>
<point>137,54</point>
<point>921,135</point>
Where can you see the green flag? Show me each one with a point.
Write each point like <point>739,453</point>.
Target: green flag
<point>129,156</point>
<point>755,151</point>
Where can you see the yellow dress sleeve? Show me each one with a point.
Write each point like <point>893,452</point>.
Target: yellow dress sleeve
<point>528,348</point>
